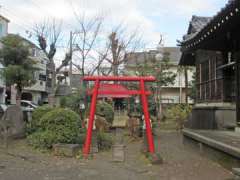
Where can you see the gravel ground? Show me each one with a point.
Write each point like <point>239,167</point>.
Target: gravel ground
<point>180,163</point>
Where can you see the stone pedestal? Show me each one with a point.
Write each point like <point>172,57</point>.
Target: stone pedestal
<point>12,122</point>
<point>144,148</point>
<point>68,150</point>
<point>155,158</point>
<point>213,117</point>
<point>119,137</point>
<point>94,144</point>
<point>118,153</point>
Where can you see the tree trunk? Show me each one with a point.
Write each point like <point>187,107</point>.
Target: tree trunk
<point>186,84</point>
<point>115,70</point>
<point>51,95</point>
<point>156,103</point>
<point>18,96</point>
<point>114,44</point>
<point>159,104</point>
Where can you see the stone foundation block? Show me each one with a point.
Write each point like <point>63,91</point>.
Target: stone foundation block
<point>68,150</point>
<point>155,158</point>
<point>118,153</point>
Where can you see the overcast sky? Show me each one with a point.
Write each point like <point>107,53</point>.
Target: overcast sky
<point>153,17</point>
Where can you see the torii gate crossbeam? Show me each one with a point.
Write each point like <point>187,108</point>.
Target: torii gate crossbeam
<point>142,92</point>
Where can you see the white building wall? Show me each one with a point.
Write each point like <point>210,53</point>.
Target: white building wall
<point>39,87</point>
<point>3,27</point>
<point>180,78</point>
<point>3,32</point>
<point>40,84</point>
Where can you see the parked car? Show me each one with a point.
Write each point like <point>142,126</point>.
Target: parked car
<point>27,108</point>
<point>3,108</point>
<point>28,105</point>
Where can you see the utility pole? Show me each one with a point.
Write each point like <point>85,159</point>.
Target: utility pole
<point>70,64</point>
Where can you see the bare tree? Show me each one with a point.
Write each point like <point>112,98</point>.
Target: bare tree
<point>97,68</point>
<point>48,35</point>
<point>121,42</point>
<point>87,44</point>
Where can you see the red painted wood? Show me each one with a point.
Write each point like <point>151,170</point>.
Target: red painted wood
<point>86,148</point>
<point>121,78</point>
<point>147,118</point>
<point>129,92</point>
<point>143,94</point>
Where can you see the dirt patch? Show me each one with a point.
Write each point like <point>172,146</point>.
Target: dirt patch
<point>21,162</point>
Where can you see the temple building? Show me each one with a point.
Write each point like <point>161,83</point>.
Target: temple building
<point>212,45</point>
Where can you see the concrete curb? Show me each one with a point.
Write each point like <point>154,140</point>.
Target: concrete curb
<point>231,150</point>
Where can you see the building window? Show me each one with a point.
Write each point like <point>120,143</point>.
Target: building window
<point>34,52</point>
<point>206,79</point>
<point>170,99</point>
<point>42,77</point>
<point>35,75</point>
<point>209,76</point>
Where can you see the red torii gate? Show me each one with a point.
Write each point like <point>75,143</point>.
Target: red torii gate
<point>142,92</point>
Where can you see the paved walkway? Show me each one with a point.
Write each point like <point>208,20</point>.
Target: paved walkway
<point>180,163</point>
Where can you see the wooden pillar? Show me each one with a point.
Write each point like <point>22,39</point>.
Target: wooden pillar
<point>237,74</point>
<point>210,78</point>
<point>151,147</point>
<point>200,82</point>
<point>236,56</point>
<point>86,148</point>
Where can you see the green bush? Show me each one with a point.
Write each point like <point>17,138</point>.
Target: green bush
<point>179,113</point>
<point>42,139</point>
<point>57,126</point>
<point>105,140</point>
<point>136,108</point>
<point>37,114</point>
<point>107,110</point>
<point>71,101</point>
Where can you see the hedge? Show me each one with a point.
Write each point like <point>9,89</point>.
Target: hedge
<point>57,126</point>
